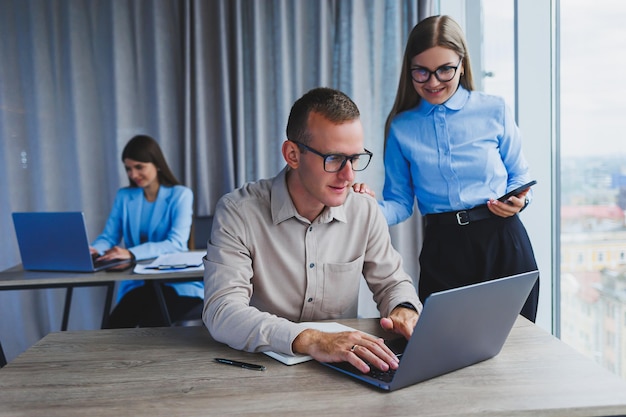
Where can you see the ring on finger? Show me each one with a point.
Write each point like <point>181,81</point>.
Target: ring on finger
<point>353,348</point>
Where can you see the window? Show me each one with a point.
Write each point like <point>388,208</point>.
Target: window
<point>569,120</point>
<point>514,60</point>
<point>593,172</point>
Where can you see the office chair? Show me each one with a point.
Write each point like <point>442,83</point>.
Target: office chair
<point>200,233</point>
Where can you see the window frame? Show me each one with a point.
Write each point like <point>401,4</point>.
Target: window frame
<point>536,110</point>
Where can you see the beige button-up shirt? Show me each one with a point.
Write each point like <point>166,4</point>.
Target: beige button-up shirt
<point>268,268</point>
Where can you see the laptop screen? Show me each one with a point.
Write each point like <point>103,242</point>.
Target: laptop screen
<point>53,241</point>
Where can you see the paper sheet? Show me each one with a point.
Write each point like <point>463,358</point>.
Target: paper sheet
<point>178,258</point>
<point>330,327</point>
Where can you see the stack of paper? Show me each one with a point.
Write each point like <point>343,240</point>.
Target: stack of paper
<point>173,262</point>
<point>330,327</point>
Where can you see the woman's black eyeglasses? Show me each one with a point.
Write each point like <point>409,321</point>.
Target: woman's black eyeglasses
<point>444,73</point>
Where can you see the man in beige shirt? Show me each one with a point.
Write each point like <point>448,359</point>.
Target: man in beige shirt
<point>293,248</point>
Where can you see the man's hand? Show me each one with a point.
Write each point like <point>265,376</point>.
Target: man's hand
<point>354,347</point>
<point>401,320</point>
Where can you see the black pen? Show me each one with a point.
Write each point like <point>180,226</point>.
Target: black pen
<point>243,365</point>
<point>179,266</point>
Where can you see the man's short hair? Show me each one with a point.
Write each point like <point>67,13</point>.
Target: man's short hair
<point>334,105</point>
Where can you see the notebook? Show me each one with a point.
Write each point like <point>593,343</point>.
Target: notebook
<point>457,328</point>
<point>56,241</point>
<point>329,327</point>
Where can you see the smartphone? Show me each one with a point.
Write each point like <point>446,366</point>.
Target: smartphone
<point>517,191</point>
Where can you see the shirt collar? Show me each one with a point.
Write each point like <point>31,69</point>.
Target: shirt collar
<point>456,102</point>
<point>283,208</point>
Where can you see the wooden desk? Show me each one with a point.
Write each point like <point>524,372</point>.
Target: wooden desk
<point>170,372</point>
<point>17,278</point>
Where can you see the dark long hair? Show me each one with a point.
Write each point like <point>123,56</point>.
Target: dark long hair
<point>143,148</point>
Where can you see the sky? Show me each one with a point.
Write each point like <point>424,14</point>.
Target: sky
<point>592,67</point>
<point>593,64</point>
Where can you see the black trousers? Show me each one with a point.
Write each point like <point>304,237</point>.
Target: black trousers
<point>140,308</point>
<point>453,256</point>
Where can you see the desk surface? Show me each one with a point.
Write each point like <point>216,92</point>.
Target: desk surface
<point>18,278</point>
<point>170,371</point>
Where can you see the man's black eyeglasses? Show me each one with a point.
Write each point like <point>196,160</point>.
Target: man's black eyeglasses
<point>444,73</point>
<point>336,162</point>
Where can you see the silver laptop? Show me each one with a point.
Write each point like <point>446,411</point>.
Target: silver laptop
<point>56,241</point>
<point>457,328</point>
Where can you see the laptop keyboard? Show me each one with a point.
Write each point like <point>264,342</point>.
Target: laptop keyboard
<point>385,376</point>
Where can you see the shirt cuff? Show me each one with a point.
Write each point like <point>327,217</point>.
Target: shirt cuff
<point>407,305</point>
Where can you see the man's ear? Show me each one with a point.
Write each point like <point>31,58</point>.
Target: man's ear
<point>291,153</point>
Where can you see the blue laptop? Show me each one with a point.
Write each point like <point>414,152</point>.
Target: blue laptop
<point>56,241</point>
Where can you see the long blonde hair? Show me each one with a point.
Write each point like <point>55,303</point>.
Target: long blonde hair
<point>433,31</point>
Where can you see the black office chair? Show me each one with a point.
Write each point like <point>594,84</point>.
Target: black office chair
<point>192,318</point>
<point>200,234</point>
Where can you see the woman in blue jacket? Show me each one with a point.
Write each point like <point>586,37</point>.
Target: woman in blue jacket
<point>152,216</point>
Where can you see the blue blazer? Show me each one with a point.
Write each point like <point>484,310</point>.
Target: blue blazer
<point>168,231</point>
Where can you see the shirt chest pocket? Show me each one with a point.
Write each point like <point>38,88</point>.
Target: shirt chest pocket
<point>341,287</point>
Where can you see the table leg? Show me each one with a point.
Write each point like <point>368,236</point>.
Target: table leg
<point>107,305</point>
<point>159,293</point>
<point>66,309</point>
<point>3,359</point>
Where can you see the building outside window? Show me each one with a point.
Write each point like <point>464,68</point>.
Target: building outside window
<point>589,302</point>
<point>593,180</point>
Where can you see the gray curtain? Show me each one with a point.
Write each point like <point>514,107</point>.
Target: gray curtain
<point>212,81</point>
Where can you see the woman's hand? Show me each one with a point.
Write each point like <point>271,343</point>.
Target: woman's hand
<point>116,253</point>
<point>510,207</point>
<point>362,188</point>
